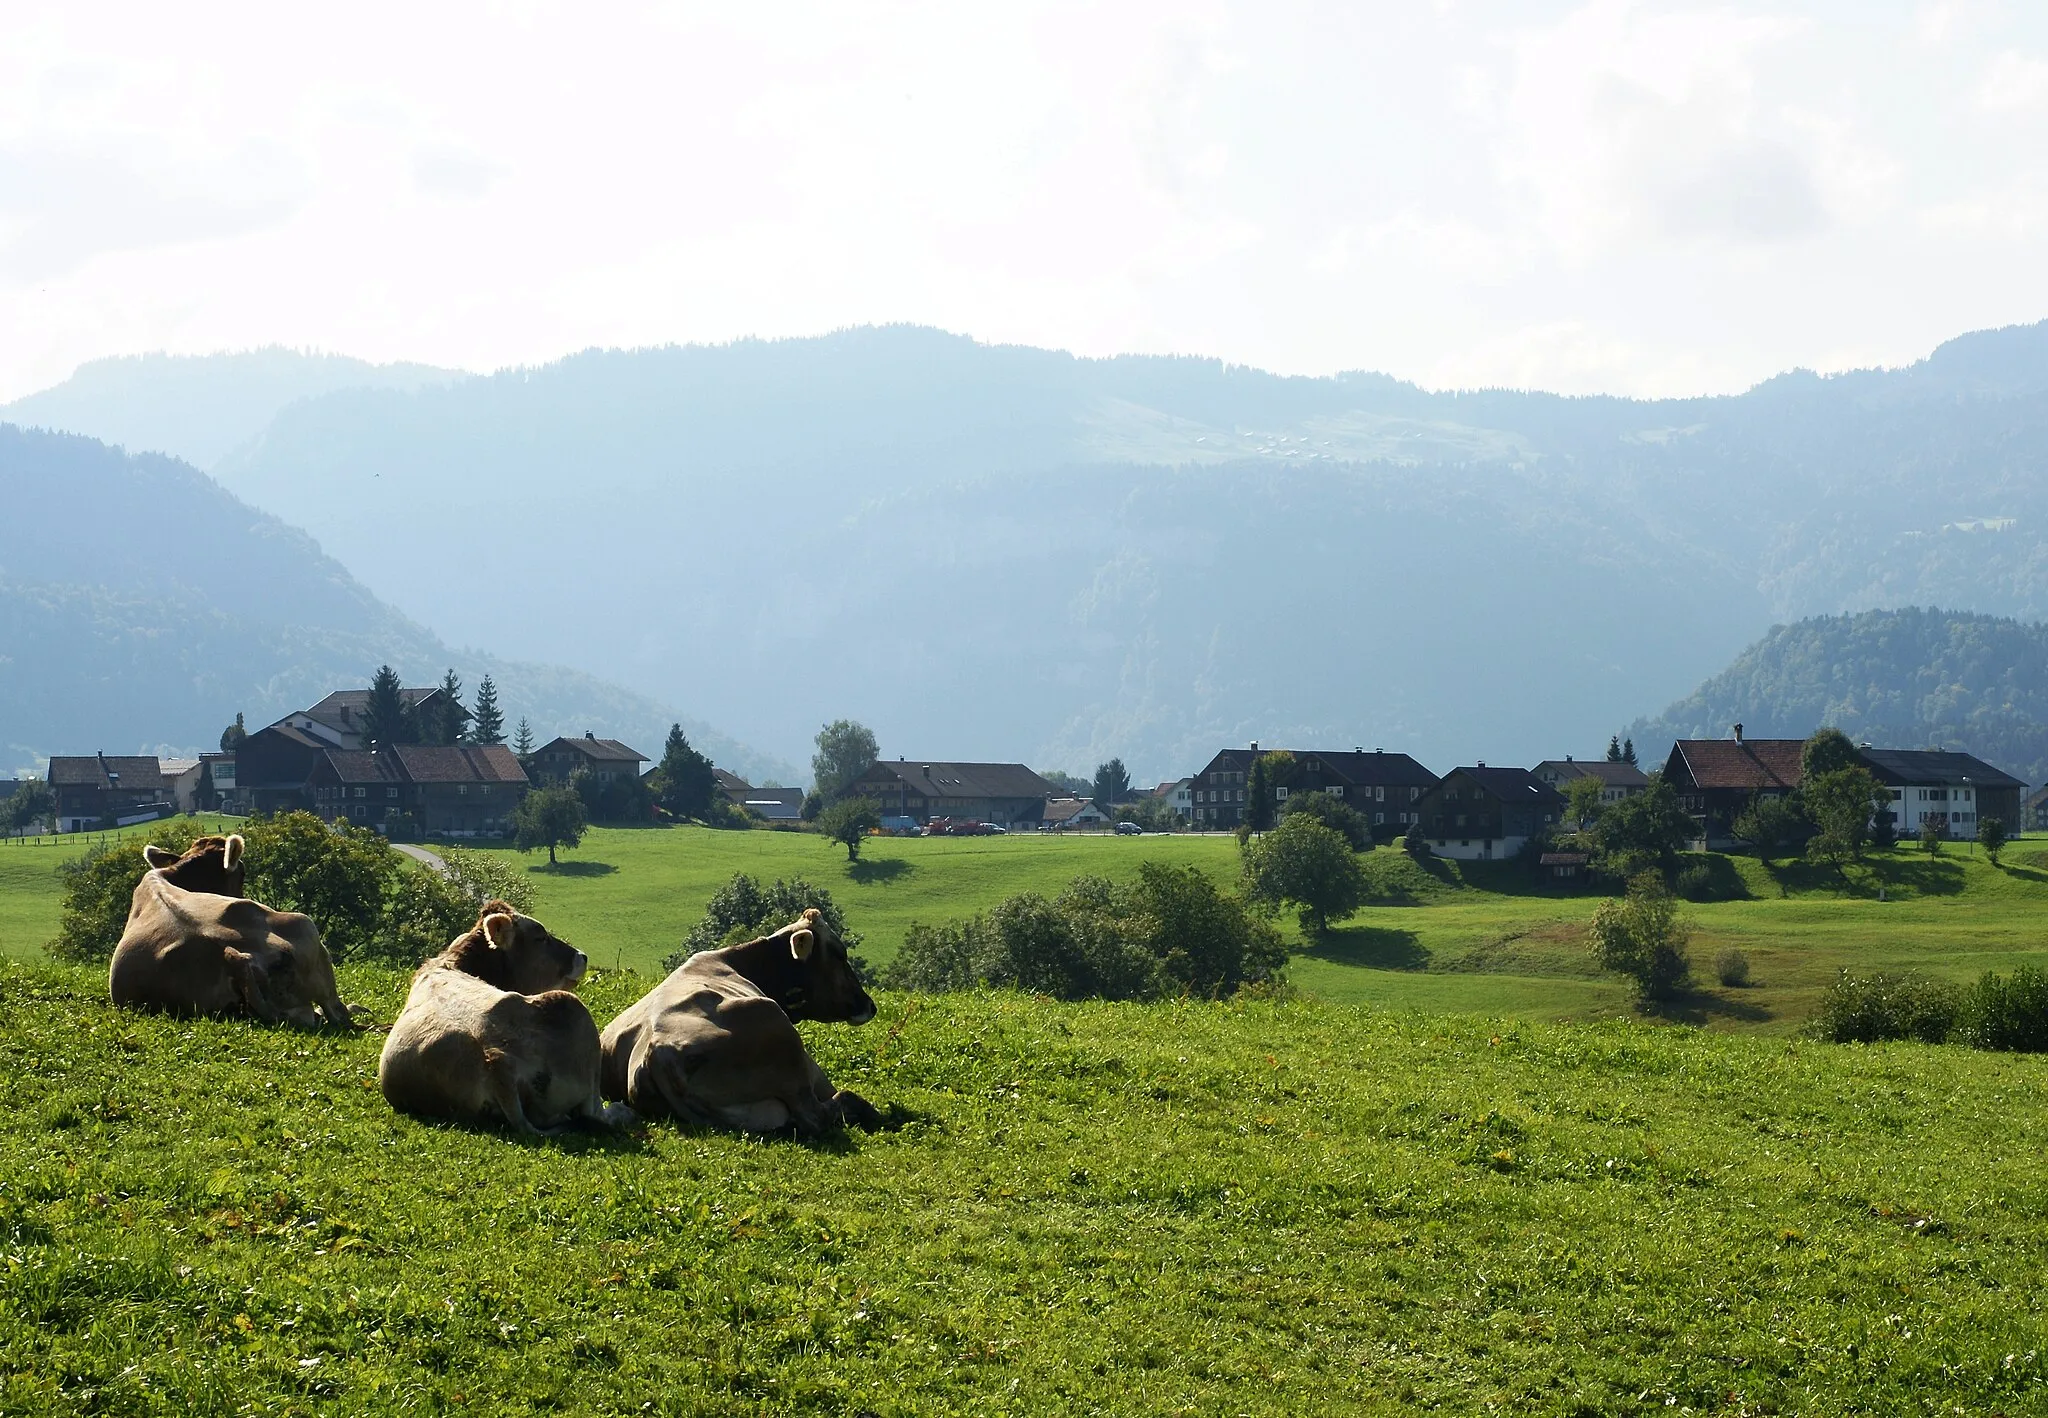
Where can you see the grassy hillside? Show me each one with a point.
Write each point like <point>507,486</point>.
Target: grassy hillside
<point>1252,1208</point>
<point>1444,937</point>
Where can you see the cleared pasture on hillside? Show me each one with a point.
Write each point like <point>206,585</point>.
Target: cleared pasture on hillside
<point>1445,936</point>
<point>1258,1207</point>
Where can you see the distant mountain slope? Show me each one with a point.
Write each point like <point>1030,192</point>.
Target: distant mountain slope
<point>1900,679</point>
<point>199,408</point>
<point>141,606</point>
<point>992,551</point>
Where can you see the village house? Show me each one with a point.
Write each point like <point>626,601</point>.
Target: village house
<point>1717,779</point>
<point>1618,780</point>
<point>468,790</point>
<point>1179,797</point>
<point>1073,815</point>
<point>769,804</point>
<point>270,768</point>
<point>1008,794</point>
<point>96,789</point>
<point>1954,790</point>
<point>1487,814</point>
<point>604,759</point>
<point>2035,812</point>
<point>1385,787</point>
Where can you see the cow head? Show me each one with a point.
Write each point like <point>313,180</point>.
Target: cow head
<point>824,984</point>
<point>211,864</point>
<point>517,953</point>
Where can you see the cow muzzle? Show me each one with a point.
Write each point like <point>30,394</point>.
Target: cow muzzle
<point>578,968</point>
<point>863,1014</point>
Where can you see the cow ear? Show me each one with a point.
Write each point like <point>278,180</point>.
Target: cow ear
<point>498,931</point>
<point>232,857</point>
<point>158,857</point>
<point>800,943</point>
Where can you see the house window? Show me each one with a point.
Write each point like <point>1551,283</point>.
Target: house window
<point>360,793</point>
<point>361,811</point>
<point>1336,790</point>
<point>391,792</point>
<point>1379,817</point>
<point>1280,795</point>
<point>462,789</point>
<point>1379,795</point>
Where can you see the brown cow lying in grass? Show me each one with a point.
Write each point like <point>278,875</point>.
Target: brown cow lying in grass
<point>492,1028</point>
<point>716,1041</point>
<point>195,945</point>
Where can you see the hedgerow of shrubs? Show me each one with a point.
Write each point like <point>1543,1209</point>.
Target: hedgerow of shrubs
<point>1169,933</point>
<point>368,902</point>
<point>1998,1012</point>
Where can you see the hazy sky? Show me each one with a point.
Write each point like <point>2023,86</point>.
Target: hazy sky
<point>1641,198</point>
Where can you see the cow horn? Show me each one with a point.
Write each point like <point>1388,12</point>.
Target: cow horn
<point>800,942</point>
<point>232,856</point>
<point>158,857</point>
<point>498,930</point>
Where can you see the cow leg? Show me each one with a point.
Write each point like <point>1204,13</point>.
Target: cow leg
<point>658,1085</point>
<point>501,1090</point>
<point>249,983</point>
<point>843,1105</point>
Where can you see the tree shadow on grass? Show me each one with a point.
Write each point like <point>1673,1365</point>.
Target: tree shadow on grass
<point>1698,1006</point>
<point>1370,948</point>
<point>886,870</point>
<point>1924,876</point>
<point>575,868</point>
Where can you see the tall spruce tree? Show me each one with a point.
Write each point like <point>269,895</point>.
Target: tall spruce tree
<point>387,718</point>
<point>1628,753</point>
<point>441,720</point>
<point>688,786</point>
<point>487,721</point>
<point>1614,749</point>
<point>522,742</point>
<point>1258,796</point>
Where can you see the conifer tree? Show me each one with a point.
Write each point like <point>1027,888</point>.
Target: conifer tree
<point>387,718</point>
<point>522,742</point>
<point>487,722</point>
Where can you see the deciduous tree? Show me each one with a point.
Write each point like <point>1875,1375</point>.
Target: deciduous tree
<point>1640,936</point>
<point>231,737</point>
<point>849,821</point>
<point>1643,831</point>
<point>549,817</point>
<point>1840,804</point>
<point>1991,837</point>
<point>1309,866</point>
<point>845,751</point>
<point>1828,751</point>
<point>1582,802</point>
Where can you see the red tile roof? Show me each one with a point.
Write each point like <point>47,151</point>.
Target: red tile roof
<point>1748,764</point>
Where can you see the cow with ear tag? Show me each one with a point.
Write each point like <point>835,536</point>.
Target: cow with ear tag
<point>492,1029</point>
<point>194,945</point>
<point>716,1042</point>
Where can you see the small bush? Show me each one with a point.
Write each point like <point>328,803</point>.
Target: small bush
<point>1866,1009</point>
<point>1711,878</point>
<point>1172,932</point>
<point>1641,937</point>
<point>744,910</point>
<point>426,909</point>
<point>2007,1013</point>
<point>1731,968</point>
<point>100,886</point>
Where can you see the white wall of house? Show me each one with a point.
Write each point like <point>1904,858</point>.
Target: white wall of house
<point>1477,849</point>
<point>1916,802</point>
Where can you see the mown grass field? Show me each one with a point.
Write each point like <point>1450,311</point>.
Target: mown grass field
<point>1482,938</point>
<point>1261,1207</point>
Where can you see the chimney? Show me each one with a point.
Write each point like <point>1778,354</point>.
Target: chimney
<point>1480,764</point>
<point>589,735</point>
<point>1567,758</point>
<point>1738,733</point>
<point>347,715</point>
<point>1255,745</point>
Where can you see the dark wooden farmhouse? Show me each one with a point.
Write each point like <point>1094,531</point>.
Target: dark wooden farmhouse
<point>1717,779</point>
<point>97,789</point>
<point>606,759</point>
<point>1386,787</point>
<point>463,791</point>
<point>1487,814</point>
<point>1005,793</point>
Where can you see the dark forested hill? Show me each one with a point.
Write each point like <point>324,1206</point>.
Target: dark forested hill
<point>990,551</point>
<point>1900,679</point>
<point>142,606</point>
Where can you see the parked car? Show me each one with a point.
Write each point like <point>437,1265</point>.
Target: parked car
<point>1128,829</point>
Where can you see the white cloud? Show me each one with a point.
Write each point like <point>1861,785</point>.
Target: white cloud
<point>2014,81</point>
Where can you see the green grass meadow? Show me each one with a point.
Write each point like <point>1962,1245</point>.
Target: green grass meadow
<point>1452,1171</point>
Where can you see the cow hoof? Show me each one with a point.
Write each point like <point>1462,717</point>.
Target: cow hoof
<point>617,1115</point>
<point>857,1111</point>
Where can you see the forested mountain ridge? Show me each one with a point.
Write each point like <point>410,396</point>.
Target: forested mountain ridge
<point>142,606</point>
<point>200,408</point>
<point>1000,552</point>
<point>1913,678</point>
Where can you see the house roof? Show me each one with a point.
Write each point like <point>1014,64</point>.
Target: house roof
<point>176,767</point>
<point>962,780</point>
<point>2037,797</point>
<point>1614,775</point>
<point>1897,766</point>
<point>1739,763</point>
<point>1059,810</point>
<point>594,748</point>
<point>1510,785</point>
<point>1563,859</point>
<point>414,763</point>
<point>355,701</point>
<point>731,782</point>
<point>136,774</point>
<point>1354,766</point>
<point>466,763</point>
